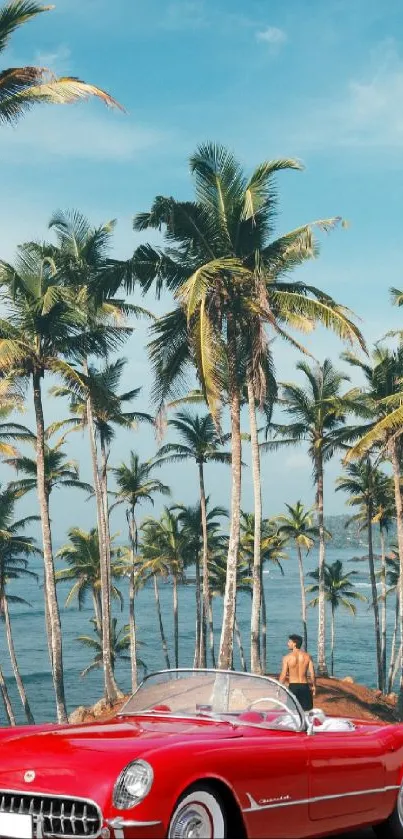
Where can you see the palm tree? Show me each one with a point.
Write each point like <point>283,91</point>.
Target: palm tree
<point>217,580</point>
<point>226,276</point>
<point>385,516</point>
<point>272,545</point>
<point>82,255</point>
<point>298,527</point>
<point>15,551</point>
<point>135,485</point>
<point>339,591</point>
<point>167,550</point>
<point>392,579</point>
<point>382,404</point>
<point>23,87</point>
<point>102,401</point>
<point>6,699</point>
<point>199,442</point>
<point>360,484</point>
<point>318,413</point>
<point>120,645</point>
<point>155,566</point>
<point>261,393</point>
<point>11,399</point>
<point>59,472</point>
<point>108,405</point>
<point>45,326</point>
<point>191,522</point>
<point>82,556</point>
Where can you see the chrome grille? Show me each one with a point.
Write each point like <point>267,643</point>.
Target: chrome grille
<point>55,816</point>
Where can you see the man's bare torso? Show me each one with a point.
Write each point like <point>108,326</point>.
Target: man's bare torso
<point>298,665</point>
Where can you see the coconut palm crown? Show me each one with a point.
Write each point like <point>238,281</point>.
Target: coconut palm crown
<point>23,87</point>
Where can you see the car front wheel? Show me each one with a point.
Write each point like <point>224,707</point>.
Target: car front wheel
<point>199,814</point>
<point>392,828</point>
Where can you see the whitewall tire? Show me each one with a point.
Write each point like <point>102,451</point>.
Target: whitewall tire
<point>199,814</point>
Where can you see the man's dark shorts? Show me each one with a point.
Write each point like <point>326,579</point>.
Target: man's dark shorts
<point>303,693</point>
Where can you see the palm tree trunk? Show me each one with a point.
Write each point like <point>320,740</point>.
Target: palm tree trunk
<point>14,663</point>
<point>227,631</point>
<point>322,666</point>
<point>303,595</point>
<point>264,628</point>
<point>211,631</point>
<point>396,665</point>
<point>112,692</point>
<point>104,489</point>
<point>176,619</point>
<point>394,453</point>
<point>163,638</point>
<point>196,659</point>
<point>255,660</point>
<point>97,610</point>
<point>131,521</point>
<point>374,592</point>
<point>240,646</point>
<point>48,624</point>
<point>6,699</point>
<point>393,650</point>
<point>50,582</point>
<point>132,630</point>
<point>332,643</point>
<point>206,589</point>
<point>383,607</point>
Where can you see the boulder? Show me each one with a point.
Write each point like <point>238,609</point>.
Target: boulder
<point>78,715</point>
<point>348,679</point>
<point>99,707</point>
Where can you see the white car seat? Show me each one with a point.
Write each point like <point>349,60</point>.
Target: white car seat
<point>323,723</point>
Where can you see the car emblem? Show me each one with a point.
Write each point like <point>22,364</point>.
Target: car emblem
<point>29,776</point>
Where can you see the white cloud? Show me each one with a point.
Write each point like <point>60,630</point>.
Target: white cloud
<point>58,60</point>
<point>366,115</point>
<point>78,132</point>
<point>273,36</point>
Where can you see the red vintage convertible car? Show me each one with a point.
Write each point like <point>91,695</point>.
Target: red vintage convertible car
<point>203,754</point>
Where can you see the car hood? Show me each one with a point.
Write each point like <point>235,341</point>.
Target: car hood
<point>85,760</point>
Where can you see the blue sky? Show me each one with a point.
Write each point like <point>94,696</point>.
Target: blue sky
<point>320,82</point>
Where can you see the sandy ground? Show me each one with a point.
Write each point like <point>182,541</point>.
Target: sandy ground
<point>345,699</point>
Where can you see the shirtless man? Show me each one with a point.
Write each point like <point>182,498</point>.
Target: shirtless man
<point>299,671</point>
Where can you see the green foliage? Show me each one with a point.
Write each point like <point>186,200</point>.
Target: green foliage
<point>23,87</point>
<point>339,587</point>
<point>120,643</point>
<point>81,553</point>
<point>229,278</point>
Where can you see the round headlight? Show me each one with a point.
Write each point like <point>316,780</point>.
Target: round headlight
<point>133,784</point>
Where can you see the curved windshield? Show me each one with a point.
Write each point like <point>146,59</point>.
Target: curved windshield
<point>223,695</point>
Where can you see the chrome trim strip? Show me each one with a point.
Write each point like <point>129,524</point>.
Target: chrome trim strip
<point>119,822</point>
<point>32,794</point>
<point>255,807</point>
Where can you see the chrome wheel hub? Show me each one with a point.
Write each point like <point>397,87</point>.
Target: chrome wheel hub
<point>193,822</point>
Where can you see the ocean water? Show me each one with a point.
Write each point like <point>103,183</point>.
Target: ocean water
<point>354,636</point>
